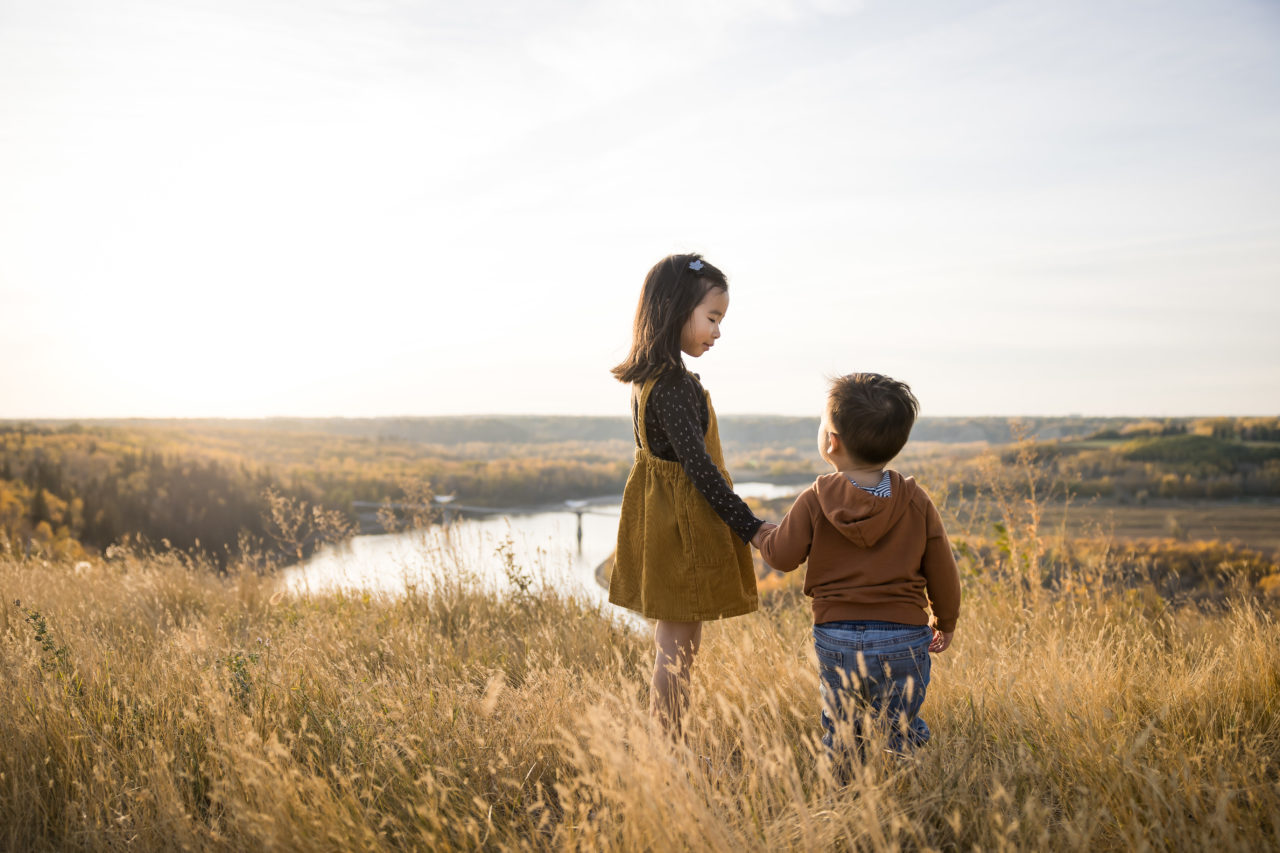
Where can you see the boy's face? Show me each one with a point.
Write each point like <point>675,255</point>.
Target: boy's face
<point>824,430</point>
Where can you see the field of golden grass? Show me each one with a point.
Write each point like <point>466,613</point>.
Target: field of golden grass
<point>1252,524</point>
<point>151,703</point>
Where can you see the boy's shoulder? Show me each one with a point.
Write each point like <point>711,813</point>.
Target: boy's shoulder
<point>825,479</point>
<point>899,485</point>
<point>837,483</point>
<point>821,483</point>
<point>920,500</point>
<point>923,505</point>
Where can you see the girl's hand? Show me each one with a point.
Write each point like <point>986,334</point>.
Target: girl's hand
<point>759,537</point>
<point>941,640</point>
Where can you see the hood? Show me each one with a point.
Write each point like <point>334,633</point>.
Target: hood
<point>862,517</point>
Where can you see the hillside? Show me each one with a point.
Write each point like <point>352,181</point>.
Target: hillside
<point>75,488</point>
<point>154,707</point>
<point>550,429</point>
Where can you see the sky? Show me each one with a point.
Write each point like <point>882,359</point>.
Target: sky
<point>250,208</point>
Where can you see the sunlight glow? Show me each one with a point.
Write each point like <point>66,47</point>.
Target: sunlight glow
<point>248,209</point>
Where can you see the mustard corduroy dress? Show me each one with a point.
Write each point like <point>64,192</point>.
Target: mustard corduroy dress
<point>676,559</point>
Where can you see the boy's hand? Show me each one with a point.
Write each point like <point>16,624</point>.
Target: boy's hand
<point>764,528</point>
<point>941,640</point>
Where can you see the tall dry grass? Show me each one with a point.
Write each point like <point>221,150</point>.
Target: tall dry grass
<point>150,703</point>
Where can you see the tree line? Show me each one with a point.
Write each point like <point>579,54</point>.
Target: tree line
<point>67,487</point>
<point>743,429</point>
<point>75,487</point>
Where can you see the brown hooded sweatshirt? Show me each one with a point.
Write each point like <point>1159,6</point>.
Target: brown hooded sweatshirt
<point>886,559</point>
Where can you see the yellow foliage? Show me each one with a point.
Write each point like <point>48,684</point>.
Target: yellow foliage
<point>151,706</point>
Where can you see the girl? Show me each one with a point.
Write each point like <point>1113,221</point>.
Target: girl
<point>682,556</point>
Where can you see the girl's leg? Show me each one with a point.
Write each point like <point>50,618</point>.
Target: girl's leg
<point>677,644</point>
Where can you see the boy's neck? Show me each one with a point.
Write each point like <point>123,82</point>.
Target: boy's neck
<point>864,475</point>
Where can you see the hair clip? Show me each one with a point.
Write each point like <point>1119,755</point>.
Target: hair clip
<point>696,265</point>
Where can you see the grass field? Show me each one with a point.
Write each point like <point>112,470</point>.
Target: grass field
<point>152,704</point>
<point>1252,524</point>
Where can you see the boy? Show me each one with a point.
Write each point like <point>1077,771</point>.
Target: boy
<point>878,557</point>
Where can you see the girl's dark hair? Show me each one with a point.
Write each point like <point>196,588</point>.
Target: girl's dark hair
<point>672,289</point>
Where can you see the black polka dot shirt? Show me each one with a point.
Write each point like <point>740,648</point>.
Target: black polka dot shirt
<point>675,422</point>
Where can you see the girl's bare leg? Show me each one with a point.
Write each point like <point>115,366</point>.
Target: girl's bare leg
<point>677,644</point>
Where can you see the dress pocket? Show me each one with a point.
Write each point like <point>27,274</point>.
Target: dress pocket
<point>709,539</point>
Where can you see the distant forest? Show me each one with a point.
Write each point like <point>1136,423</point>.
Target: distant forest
<point>744,429</point>
<point>202,484</point>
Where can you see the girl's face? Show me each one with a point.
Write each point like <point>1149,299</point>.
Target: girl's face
<point>703,326</point>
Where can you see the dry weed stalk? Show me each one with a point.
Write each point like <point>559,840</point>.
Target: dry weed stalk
<point>161,705</point>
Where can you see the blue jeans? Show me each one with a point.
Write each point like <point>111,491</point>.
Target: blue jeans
<point>876,668</point>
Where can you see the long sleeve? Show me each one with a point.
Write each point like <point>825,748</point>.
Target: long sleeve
<point>787,546</point>
<point>942,577</point>
<point>676,402</point>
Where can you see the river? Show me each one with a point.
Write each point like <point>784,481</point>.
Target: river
<point>541,546</point>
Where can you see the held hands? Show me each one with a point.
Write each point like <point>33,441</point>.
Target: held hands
<point>941,640</point>
<point>759,537</point>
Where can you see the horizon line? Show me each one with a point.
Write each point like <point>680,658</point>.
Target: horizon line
<point>244,418</point>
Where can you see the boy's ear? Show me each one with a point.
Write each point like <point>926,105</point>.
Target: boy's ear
<point>834,444</point>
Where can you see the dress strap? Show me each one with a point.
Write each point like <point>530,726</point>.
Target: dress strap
<point>639,401</point>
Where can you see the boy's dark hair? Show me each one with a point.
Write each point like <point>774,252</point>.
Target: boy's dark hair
<point>872,414</point>
<point>672,289</point>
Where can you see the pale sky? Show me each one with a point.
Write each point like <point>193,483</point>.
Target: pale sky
<point>243,208</point>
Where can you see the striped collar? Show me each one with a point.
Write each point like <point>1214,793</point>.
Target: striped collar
<point>881,490</point>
